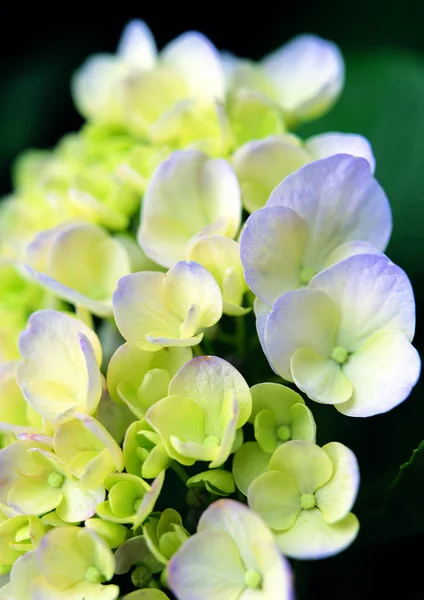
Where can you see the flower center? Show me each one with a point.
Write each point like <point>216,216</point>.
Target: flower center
<point>339,354</point>
<point>211,441</point>
<point>252,579</point>
<point>306,275</point>
<point>55,480</point>
<point>93,575</point>
<point>284,433</point>
<point>307,501</point>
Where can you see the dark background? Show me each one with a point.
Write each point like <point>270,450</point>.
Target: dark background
<point>384,100</point>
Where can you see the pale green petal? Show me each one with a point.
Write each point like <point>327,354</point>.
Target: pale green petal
<point>230,414</point>
<point>321,378</point>
<point>215,481</point>
<point>130,365</point>
<point>59,369</point>
<point>139,309</point>
<point>336,498</point>
<point>253,116</point>
<point>249,462</point>
<point>188,195</point>
<point>306,463</point>
<point>275,498</point>
<point>311,537</point>
<point>275,397</point>
<point>158,460</point>
<point>78,504</point>
<point>82,265</point>
<point>96,88</point>
<point>192,293</point>
<point>33,497</point>
<point>60,559</point>
<point>266,430</point>
<point>261,165</point>
<point>149,500</point>
<point>153,310</point>
<point>208,381</point>
<point>221,257</point>
<point>179,417</point>
<point>146,594</point>
<point>302,423</point>
<point>114,534</point>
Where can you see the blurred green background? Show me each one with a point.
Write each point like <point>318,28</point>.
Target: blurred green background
<point>383,44</point>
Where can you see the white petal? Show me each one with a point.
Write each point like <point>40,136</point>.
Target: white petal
<point>199,62</point>
<point>308,73</point>
<point>328,144</point>
<point>272,246</point>
<point>321,378</point>
<point>382,372</point>
<point>336,498</point>
<point>300,319</point>
<point>340,201</point>
<point>261,165</point>
<point>372,294</point>
<point>188,195</point>
<point>137,45</point>
<point>311,537</point>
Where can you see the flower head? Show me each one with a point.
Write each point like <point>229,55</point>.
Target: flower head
<point>325,211</point>
<point>154,310</point>
<point>345,340</point>
<point>189,195</point>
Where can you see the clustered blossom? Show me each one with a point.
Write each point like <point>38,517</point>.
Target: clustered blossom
<point>125,264</point>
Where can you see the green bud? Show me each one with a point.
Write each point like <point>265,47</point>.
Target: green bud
<point>307,501</point>
<point>339,355</point>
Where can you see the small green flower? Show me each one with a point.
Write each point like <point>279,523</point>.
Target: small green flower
<point>88,449</point>
<point>305,497</point>
<point>71,563</point>
<point>140,378</point>
<point>144,452</point>
<point>130,498</point>
<point>164,534</point>
<point>208,402</point>
<point>279,414</point>
<point>37,481</point>
<point>114,534</point>
<point>18,535</point>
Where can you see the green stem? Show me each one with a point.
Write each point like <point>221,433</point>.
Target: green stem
<point>180,471</point>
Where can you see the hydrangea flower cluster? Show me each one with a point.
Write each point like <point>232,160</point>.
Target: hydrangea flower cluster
<point>125,263</point>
